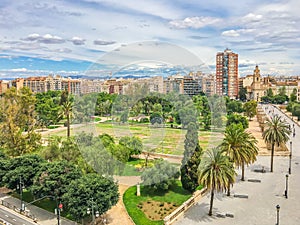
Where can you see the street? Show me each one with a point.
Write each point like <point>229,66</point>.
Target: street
<point>12,219</point>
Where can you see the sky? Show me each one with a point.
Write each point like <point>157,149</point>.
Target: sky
<point>70,37</point>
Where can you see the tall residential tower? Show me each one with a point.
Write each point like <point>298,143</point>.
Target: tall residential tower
<point>227,80</point>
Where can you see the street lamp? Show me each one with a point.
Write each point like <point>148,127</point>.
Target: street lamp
<point>21,187</point>
<point>94,214</point>
<point>277,208</point>
<point>286,185</point>
<point>290,162</point>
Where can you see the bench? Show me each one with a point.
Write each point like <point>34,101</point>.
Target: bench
<point>254,180</point>
<point>220,215</point>
<point>229,215</point>
<point>240,196</point>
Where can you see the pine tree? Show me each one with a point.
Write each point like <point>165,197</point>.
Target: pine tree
<point>191,159</point>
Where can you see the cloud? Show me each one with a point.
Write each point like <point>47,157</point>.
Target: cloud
<point>19,70</point>
<point>251,17</point>
<point>101,42</point>
<point>46,39</point>
<point>78,40</point>
<point>230,33</point>
<point>194,22</point>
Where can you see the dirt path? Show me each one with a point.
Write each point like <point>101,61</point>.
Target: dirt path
<point>117,214</point>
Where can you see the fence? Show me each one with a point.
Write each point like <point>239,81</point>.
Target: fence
<point>184,207</point>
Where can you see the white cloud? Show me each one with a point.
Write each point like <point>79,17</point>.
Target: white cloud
<point>251,17</point>
<point>194,22</point>
<point>78,40</point>
<point>230,33</point>
<point>46,39</point>
<point>19,70</point>
<point>101,42</point>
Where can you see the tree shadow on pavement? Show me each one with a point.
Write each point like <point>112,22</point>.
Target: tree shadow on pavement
<point>199,213</point>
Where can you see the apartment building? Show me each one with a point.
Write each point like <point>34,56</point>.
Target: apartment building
<point>227,80</point>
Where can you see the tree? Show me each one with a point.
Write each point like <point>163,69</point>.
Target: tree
<point>124,117</point>
<point>276,132</point>
<point>18,122</point>
<point>25,167</point>
<point>216,172</point>
<point>47,107</point>
<point>134,144</point>
<point>191,159</point>
<point>67,108</point>
<point>243,94</point>
<point>237,119</point>
<point>161,176</point>
<point>234,106</point>
<point>240,146</point>
<point>90,189</point>
<point>4,166</point>
<point>293,96</point>
<point>250,108</point>
<point>54,178</point>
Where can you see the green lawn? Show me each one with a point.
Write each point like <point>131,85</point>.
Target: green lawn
<point>176,196</point>
<point>161,140</point>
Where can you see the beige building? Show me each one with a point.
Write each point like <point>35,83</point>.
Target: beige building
<point>44,84</point>
<point>3,86</point>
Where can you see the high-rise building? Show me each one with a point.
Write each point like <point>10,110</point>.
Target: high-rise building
<point>227,80</point>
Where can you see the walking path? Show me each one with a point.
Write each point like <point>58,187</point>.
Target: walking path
<point>260,206</point>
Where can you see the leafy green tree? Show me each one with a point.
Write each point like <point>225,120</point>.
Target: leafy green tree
<point>240,146</point>
<point>250,108</point>
<point>161,176</point>
<point>191,159</point>
<point>90,189</point>
<point>156,117</point>
<point>98,153</point>
<point>134,144</point>
<point>237,119</point>
<point>293,96</point>
<point>47,107</point>
<point>54,178</point>
<point>26,167</point>
<point>234,106</point>
<point>243,94</point>
<point>276,132</point>
<point>4,166</point>
<point>18,122</point>
<point>124,117</point>
<point>216,172</point>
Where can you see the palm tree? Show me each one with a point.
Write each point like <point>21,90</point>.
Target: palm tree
<point>215,172</point>
<point>240,146</point>
<point>67,112</point>
<point>277,132</point>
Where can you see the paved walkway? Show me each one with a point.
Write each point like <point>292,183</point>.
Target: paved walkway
<point>260,206</point>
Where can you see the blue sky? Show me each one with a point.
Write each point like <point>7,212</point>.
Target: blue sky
<point>69,36</point>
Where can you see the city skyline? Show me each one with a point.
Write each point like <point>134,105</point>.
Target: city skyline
<point>68,37</point>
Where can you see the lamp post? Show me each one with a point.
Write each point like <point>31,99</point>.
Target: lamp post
<point>277,208</point>
<point>286,185</point>
<point>290,162</point>
<point>21,187</point>
<point>94,214</point>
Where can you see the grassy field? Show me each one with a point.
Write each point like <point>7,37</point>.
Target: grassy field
<point>161,203</point>
<point>160,140</point>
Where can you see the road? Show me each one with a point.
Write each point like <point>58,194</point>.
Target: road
<point>12,218</point>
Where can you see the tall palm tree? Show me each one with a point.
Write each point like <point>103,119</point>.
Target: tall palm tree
<point>276,132</point>
<point>215,172</point>
<point>240,146</point>
<point>67,108</point>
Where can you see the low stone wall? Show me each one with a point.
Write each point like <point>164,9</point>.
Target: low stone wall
<point>184,207</point>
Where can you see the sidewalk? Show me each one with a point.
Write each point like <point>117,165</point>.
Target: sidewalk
<point>43,217</point>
